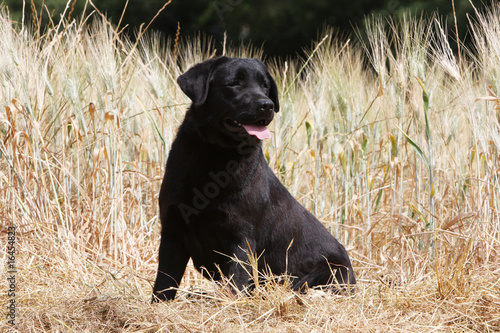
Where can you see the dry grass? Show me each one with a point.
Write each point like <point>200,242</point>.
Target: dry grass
<point>397,154</point>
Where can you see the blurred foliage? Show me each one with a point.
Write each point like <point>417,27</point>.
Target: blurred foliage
<point>283,27</point>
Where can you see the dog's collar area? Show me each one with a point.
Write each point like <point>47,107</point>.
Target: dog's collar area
<point>259,129</point>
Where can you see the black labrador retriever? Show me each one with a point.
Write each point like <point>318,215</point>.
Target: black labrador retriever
<point>220,201</point>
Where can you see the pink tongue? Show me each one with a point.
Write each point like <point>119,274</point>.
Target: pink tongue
<point>260,132</point>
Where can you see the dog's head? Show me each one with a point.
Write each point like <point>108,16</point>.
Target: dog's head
<point>233,99</point>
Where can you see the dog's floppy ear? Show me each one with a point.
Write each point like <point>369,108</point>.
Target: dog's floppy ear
<point>195,82</point>
<point>273,89</point>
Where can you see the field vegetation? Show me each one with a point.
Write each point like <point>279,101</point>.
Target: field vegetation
<point>393,143</point>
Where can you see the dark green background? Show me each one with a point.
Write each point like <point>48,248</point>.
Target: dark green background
<point>284,27</point>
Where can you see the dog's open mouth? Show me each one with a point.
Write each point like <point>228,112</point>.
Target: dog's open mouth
<point>258,129</point>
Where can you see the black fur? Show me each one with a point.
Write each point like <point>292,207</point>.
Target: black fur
<point>219,197</point>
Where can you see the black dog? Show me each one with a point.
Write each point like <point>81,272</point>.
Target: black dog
<point>219,198</point>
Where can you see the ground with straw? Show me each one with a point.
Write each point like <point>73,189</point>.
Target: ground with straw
<point>393,143</point>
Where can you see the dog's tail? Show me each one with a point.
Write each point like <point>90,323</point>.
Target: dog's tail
<point>334,277</point>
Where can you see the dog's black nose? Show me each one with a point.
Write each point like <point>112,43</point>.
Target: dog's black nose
<point>266,105</point>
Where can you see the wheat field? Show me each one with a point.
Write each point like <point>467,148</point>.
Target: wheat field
<point>392,142</point>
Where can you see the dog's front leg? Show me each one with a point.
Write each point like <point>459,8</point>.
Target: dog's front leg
<point>172,261</point>
<point>241,267</point>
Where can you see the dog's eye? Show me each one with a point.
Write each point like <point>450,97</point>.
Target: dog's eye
<point>234,84</point>
<point>265,86</point>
